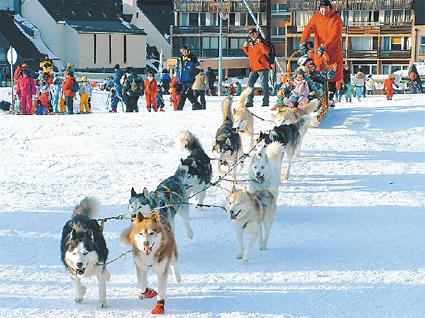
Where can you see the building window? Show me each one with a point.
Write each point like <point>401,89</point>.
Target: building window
<point>396,43</point>
<point>94,48</point>
<point>302,17</point>
<point>202,19</point>
<point>110,49</point>
<point>422,48</point>
<point>184,19</point>
<point>361,43</point>
<point>125,49</point>
<point>193,19</point>
<point>276,31</point>
<point>364,68</point>
<point>391,68</point>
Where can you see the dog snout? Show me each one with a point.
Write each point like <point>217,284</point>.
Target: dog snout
<point>258,173</point>
<point>79,265</point>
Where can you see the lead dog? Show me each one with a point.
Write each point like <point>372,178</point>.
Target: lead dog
<point>243,118</point>
<point>227,144</point>
<point>290,115</point>
<point>154,246</point>
<point>253,212</point>
<point>83,250</point>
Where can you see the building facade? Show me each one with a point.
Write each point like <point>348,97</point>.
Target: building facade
<point>377,34</point>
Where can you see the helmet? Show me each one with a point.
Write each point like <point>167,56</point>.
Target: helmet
<point>84,79</point>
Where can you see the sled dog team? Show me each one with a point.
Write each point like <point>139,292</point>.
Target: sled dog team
<point>152,231</point>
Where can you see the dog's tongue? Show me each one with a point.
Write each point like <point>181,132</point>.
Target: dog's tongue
<point>260,178</point>
<point>79,271</point>
<point>147,250</point>
<point>225,163</point>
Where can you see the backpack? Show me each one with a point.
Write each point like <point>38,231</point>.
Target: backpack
<point>76,87</point>
<point>272,55</point>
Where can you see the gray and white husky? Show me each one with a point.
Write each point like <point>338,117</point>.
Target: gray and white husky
<point>289,136</point>
<point>265,168</point>
<point>253,212</point>
<point>199,170</point>
<point>227,143</point>
<point>83,250</point>
<point>169,198</point>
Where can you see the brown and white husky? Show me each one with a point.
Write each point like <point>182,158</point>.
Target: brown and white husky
<point>154,246</point>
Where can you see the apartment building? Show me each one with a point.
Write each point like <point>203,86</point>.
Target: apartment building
<point>377,34</point>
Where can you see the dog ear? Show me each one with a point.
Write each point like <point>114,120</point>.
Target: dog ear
<point>139,217</point>
<point>233,188</point>
<point>133,193</point>
<point>155,216</point>
<point>145,192</point>
<point>181,160</point>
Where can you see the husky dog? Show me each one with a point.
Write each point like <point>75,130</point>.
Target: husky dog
<point>83,250</point>
<point>199,170</point>
<point>243,118</point>
<point>265,169</point>
<point>288,136</point>
<point>290,115</point>
<point>154,246</point>
<point>228,144</point>
<point>254,212</point>
<point>168,198</point>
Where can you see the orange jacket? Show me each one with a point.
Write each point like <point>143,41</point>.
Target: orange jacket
<point>328,32</point>
<point>320,61</point>
<point>151,88</point>
<point>68,86</point>
<point>257,56</point>
<point>388,84</point>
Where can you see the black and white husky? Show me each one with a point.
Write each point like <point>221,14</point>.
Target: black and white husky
<point>289,136</point>
<point>227,143</point>
<point>169,198</point>
<point>199,170</point>
<point>83,250</point>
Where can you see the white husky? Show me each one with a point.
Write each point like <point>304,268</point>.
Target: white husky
<point>265,169</point>
<point>243,120</point>
<point>254,212</point>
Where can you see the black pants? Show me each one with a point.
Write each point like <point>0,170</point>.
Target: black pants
<point>332,90</point>
<point>201,95</point>
<point>69,101</point>
<point>187,92</point>
<point>132,104</point>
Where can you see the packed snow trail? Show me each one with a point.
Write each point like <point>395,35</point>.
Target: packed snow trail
<point>348,240</point>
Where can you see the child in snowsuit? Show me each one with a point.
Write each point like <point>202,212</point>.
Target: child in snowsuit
<point>349,92</point>
<point>56,92</point>
<point>299,95</point>
<point>160,98</point>
<point>359,82</point>
<point>151,91</point>
<point>280,103</point>
<point>26,89</point>
<point>175,88</point>
<point>85,95</point>
<point>388,85</point>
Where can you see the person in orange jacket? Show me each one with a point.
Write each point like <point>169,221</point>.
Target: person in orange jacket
<point>70,89</point>
<point>388,85</point>
<point>151,90</point>
<point>327,27</point>
<point>175,88</point>
<point>258,52</point>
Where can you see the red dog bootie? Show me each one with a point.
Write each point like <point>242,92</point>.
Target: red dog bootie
<point>149,293</point>
<point>159,308</point>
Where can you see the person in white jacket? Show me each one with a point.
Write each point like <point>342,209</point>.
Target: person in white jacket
<point>85,95</point>
<point>359,82</point>
<point>199,87</point>
<point>370,85</point>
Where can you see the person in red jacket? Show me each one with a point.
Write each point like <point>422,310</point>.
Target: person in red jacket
<point>327,27</point>
<point>175,88</point>
<point>69,90</point>
<point>388,85</point>
<point>151,90</point>
<point>258,52</point>
<point>26,89</point>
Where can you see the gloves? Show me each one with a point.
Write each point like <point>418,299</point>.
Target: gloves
<point>303,48</point>
<point>321,50</point>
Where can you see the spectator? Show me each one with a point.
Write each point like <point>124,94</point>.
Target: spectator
<point>347,74</point>
<point>175,88</point>
<point>69,90</point>
<point>118,88</point>
<point>165,81</point>
<point>187,69</point>
<point>26,89</point>
<point>415,80</point>
<point>199,87</point>
<point>133,89</point>
<point>151,91</point>
<point>211,79</point>
<point>47,65</point>
<point>327,26</point>
<point>389,86</point>
<point>370,86</point>
<point>85,95</point>
<point>359,82</point>
<point>160,98</point>
<point>238,89</point>
<point>257,51</point>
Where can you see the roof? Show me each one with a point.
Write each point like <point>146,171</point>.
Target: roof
<point>159,12</point>
<point>9,31</point>
<point>83,10</point>
<point>104,26</point>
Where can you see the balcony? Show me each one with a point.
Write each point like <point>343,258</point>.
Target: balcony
<point>199,30</point>
<point>366,28</point>
<point>212,53</point>
<point>396,54</point>
<point>214,6</point>
<point>311,5</point>
<point>362,54</point>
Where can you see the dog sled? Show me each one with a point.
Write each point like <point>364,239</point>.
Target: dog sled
<point>324,102</point>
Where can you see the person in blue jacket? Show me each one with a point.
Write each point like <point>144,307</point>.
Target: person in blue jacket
<point>118,88</point>
<point>165,81</point>
<point>187,69</point>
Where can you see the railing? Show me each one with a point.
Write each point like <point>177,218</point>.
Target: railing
<point>366,28</point>
<point>212,53</point>
<point>311,5</point>
<point>362,53</point>
<point>214,6</point>
<point>394,54</point>
<point>231,29</point>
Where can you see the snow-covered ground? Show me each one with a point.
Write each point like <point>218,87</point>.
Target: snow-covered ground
<point>348,240</point>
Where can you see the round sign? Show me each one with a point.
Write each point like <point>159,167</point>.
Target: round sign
<point>12,56</point>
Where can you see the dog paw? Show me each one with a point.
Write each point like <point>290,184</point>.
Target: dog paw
<point>239,256</point>
<point>102,304</point>
<point>78,299</point>
<point>263,248</point>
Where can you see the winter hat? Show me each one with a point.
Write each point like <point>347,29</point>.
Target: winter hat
<point>325,3</point>
<point>300,70</point>
<point>252,31</point>
<point>84,79</point>
<point>116,67</point>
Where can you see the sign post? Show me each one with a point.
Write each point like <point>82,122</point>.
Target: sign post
<point>12,57</point>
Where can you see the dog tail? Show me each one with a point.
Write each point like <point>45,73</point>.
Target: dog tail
<point>189,142</point>
<point>88,206</point>
<point>244,97</point>
<point>274,151</point>
<point>226,108</point>
<point>311,106</point>
<point>304,121</point>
